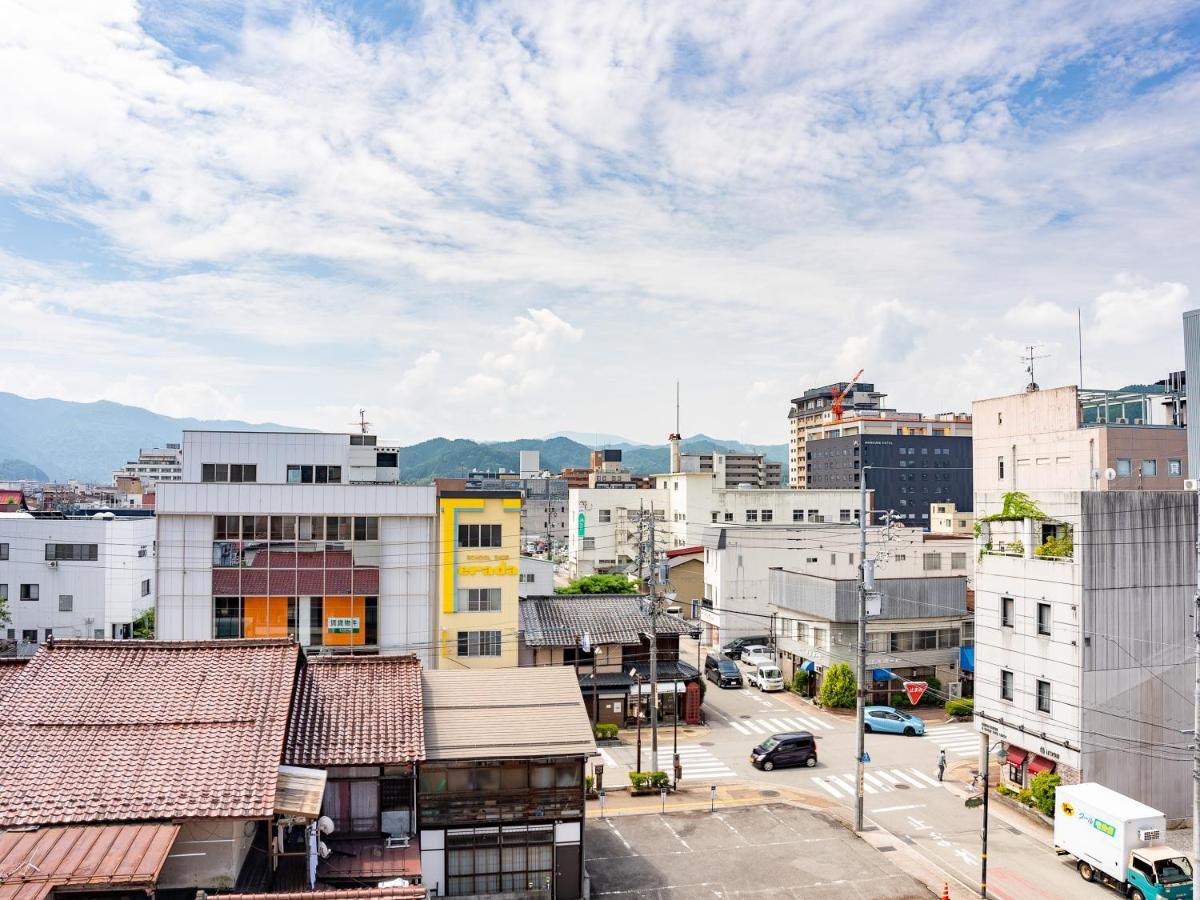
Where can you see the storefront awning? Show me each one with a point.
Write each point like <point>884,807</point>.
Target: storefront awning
<point>883,675</point>
<point>966,659</point>
<point>1016,756</point>
<point>1041,764</point>
<point>808,666</point>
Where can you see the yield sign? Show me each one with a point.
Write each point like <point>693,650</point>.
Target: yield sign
<point>915,689</point>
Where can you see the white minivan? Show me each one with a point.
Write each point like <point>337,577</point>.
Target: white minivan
<point>767,678</point>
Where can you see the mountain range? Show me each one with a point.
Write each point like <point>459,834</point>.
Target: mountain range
<point>62,439</point>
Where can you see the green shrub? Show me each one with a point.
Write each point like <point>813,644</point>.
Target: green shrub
<point>588,781</point>
<point>1015,548</point>
<point>838,689</point>
<point>1041,790</point>
<point>963,707</point>
<point>605,731</point>
<point>642,781</point>
<point>1063,547</point>
<point>1025,796</point>
<point>800,682</point>
<point>1004,790</point>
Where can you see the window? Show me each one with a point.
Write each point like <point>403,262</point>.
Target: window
<point>29,635</point>
<point>145,587</point>
<point>66,602</point>
<point>387,460</point>
<point>72,552</point>
<point>767,515</point>
<point>482,536</point>
<point>1043,618</point>
<point>512,860</point>
<point>233,473</point>
<point>3,593</point>
<point>479,643</point>
<point>605,516</point>
<point>1124,467</point>
<point>1149,468</point>
<point>931,562</point>
<point>362,440</point>
<point>843,515</point>
<point>968,634</point>
<point>589,543</point>
<point>1174,469</point>
<point>958,560</point>
<point>526,578</point>
<point>1000,468</point>
<point>30,591</point>
<point>797,515</point>
<point>3,551</point>
<point>1006,685</point>
<point>479,599</point>
<point>814,515</point>
<point>304,474</point>
<point>752,515</point>
<point>366,528</point>
<point>1007,612</point>
<point>142,552</point>
<point>728,517</point>
<point>1043,696</point>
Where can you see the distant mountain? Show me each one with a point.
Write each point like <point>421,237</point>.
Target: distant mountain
<point>19,470</point>
<point>64,439</point>
<point>594,440</point>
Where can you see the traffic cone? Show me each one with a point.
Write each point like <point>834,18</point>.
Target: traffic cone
<point>945,890</point>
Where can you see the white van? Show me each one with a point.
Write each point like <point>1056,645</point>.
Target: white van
<point>766,678</point>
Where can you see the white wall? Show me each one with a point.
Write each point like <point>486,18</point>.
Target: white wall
<point>107,591</point>
<point>542,573</point>
<point>616,539</point>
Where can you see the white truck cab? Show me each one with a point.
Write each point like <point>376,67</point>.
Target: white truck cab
<point>767,677</point>
<point>1118,842</point>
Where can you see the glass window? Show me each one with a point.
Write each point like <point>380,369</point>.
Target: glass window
<point>311,528</point>
<point>366,528</point>
<point>293,475</point>
<point>4,594</point>
<point>1006,685</point>
<point>1174,467</point>
<point>479,536</point>
<point>227,617</point>
<point>316,621</point>
<point>1124,467</point>
<point>797,515</point>
<point>226,528</point>
<point>30,591</point>
<point>605,516</point>
<point>766,515</point>
<point>1000,468</point>
<point>72,552</point>
<point>479,643</point>
<point>752,515</point>
<point>1043,696</point>
<point>3,551</point>
<point>478,600</point>
<point>589,543</point>
<point>66,602</point>
<point>1043,618</point>
<point>1149,468</point>
<point>145,587</point>
<point>1007,612</point>
<point>932,562</point>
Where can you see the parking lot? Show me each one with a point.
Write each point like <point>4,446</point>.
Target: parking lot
<point>767,851</point>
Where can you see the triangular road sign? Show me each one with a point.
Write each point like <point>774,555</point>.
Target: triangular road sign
<point>915,689</point>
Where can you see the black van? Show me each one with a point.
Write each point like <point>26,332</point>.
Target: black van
<point>711,662</point>
<point>734,648</point>
<point>724,674</point>
<point>796,748</point>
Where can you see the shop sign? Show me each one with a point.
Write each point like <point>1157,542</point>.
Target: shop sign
<point>581,526</point>
<point>343,625</point>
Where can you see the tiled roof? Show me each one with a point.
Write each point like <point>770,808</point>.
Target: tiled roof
<point>9,670</point>
<point>505,713</point>
<point>34,863</point>
<point>357,710</point>
<point>412,892</point>
<point>669,670</point>
<point>685,551</point>
<point>561,620</point>
<point>112,731</point>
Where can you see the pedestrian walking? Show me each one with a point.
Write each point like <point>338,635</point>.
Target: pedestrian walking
<point>941,763</point>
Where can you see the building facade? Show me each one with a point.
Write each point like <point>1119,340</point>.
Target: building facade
<point>479,551</point>
<point>74,576</point>
<point>812,408</point>
<point>536,577</point>
<point>908,471</point>
<point>272,534</point>
<point>153,465</point>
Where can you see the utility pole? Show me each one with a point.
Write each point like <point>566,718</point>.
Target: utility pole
<point>641,544</point>
<point>1196,704</point>
<point>654,586</point>
<point>860,704</point>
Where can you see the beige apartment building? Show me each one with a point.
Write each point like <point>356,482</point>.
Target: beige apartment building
<point>813,407</point>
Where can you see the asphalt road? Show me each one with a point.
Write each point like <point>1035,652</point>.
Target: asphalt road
<point>902,793</point>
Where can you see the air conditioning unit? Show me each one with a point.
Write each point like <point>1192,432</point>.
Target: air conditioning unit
<point>1139,421</point>
<point>1191,484</point>
<point>52,563</point>
<point>1122,421</point>
<point>954,690</point>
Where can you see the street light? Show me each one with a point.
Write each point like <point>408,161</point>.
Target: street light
<point>996,751</point>
<point>637,680</point>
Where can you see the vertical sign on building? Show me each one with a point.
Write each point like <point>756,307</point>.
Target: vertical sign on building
<point>581,526</point>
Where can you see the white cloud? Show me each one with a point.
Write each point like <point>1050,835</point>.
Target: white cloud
<point>1033,313</point>
<point>1134,309</point>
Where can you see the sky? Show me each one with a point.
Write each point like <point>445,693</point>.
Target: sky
<point>500,220</point>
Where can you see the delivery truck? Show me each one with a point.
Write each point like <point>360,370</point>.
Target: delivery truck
<point>1119,842</point>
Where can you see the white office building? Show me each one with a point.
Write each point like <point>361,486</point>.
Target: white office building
<point>153,465</point>
<point>310,535</point>
<point>74,577</point>
<point>535,577</point>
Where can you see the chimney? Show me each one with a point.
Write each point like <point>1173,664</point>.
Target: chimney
<point>676,461</point>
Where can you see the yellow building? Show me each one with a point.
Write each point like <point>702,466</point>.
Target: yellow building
<point>479,543</point>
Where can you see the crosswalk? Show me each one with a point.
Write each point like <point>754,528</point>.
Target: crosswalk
<point>956,740</point>
<point>777,724</point>
<point>697,762</point>
<point>877,781</point>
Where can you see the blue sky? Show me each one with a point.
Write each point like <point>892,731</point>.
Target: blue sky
<point>498,220</point>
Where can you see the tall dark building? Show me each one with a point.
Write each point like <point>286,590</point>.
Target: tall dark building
<point>912,471</point>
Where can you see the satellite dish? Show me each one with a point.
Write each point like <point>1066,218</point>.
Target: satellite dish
<point>1110,474</point>
<point>325,825</point>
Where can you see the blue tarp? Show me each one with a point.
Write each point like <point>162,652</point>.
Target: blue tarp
<point>966,659</point>
<point>808,666</point>
<point>883,675</point>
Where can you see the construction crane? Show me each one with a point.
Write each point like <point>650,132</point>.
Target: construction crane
<point>838,398</point>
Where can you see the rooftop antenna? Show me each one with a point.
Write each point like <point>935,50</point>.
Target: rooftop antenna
<point>1079,325</point>
<point>677,406</point>
<point>362,422</point>
<point>1029,361</point>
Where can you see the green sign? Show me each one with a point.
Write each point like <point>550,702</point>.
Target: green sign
<point>343,625</point>
<point>581,525</point>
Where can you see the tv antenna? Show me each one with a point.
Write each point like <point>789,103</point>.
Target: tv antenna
<point>1029,359</point>
<point>362,422</point>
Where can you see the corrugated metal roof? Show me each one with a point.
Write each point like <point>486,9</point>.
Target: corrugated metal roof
<point>504,713</point>
<point>561,620</point>
<point>33,863</point>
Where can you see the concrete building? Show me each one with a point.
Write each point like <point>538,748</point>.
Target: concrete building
<point>734,470</point>
<point>544,523</point>
<point>536,577</point>
<point>907,471</point>
<point>1084,638</point>
<point>812,408</point>
<point>74,576</point>
<point>1066,438</point>
<point>946,518</point>
<point>604,534</point>
<point>153,465</point>
<point>272,534</point>
<point>479,545</point>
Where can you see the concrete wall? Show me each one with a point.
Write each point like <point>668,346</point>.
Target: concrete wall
<point>541,571</point>
<point>208,854</point>
<point>1161,444</point>
<point>837,601</point>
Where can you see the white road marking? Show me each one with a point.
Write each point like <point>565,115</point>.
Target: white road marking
<point>848,787</point>
<point>828,788</point>
<point>754,726</point>
<point>912,781</point>
<point>778,725</point>
<point>815,724</point>
<point>697,762</point>
<point>933,781</point>
<point>884,809</point>
<point>738,726</point>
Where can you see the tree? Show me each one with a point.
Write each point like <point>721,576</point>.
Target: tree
<point>5,618</point>
<point>838,687</point>
<point>143,625</point>
<point>600,584</point>
<point>1041,788</point>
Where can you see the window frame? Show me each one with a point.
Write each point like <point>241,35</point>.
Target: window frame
<point>31,592</point>
<point>1044,627</point>
<point>1042,696</point>
<point>1007,685</point>
<point>1008,612</point>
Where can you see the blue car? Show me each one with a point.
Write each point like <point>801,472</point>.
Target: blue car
<point>887,719</point>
